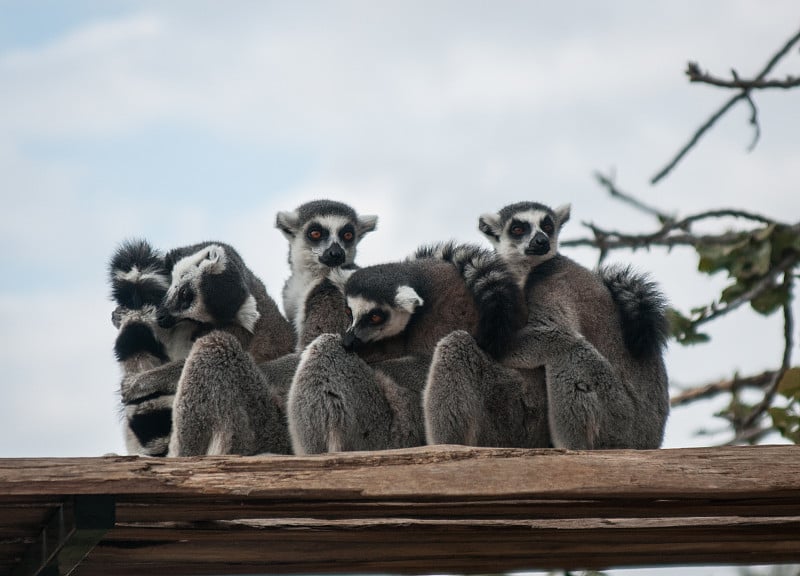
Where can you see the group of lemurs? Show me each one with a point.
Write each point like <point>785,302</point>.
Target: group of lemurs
<point>513,347</point>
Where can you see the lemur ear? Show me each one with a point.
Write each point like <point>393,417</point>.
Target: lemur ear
<point>288,223</point>
<point>408,299</point>
<point>366,223</point>
<point>562,214</point>
<point>489,224</point>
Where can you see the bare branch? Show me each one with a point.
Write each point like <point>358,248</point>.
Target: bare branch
<point>608,183</point>
<point>744,94</point>
<point>723,386</point>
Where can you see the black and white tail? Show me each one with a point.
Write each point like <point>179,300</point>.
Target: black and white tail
<point>139,282</point>
<point>642,309</point>
<point>137,275</point>
<point>500,302</point>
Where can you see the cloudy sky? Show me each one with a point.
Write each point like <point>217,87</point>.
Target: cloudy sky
<point>187,121</point>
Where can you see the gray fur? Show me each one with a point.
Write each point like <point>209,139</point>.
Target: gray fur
<point>313,294</point>
<point>370,398</point>
<point>223,403</point>
<point>599,394</point>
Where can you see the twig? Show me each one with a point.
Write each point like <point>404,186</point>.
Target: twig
<point>786,361</point>
<point>608,183</point>
<point>727,106</point>
<point>696,75</point>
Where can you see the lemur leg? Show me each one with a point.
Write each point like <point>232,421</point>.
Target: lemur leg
<point>471,399</point>
<point>223,404</point>
<point>586,398</point>
<point>337,402</point>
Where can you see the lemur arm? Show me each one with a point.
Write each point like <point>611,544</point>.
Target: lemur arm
<point>154,382</point>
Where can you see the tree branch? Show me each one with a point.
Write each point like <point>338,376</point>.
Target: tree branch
<point>723,386</point>
<point>744,94</point>
<point>608,183</point>
<point>696,75</point>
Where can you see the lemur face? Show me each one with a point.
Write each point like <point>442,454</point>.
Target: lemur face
<point>207,287</point>
<point>527,231</point>
<point>323,234</point>
<point>373,321</point>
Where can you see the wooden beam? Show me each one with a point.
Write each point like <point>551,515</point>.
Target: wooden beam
<point>74,528</point>
<point>424,510</point>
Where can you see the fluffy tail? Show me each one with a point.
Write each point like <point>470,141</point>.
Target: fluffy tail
<point>500,302</point>
<point>642,309</point>
<point>137,275</point>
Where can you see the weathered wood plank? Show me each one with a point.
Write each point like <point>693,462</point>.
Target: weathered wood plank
<point>427,473</point>
<point>431,509</point>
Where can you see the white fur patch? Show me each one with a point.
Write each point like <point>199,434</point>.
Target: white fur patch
<point>135,275</point>
<point>248,314</point>
<point>360,306</point>
<point>211,259</point>
<point>408,299</point>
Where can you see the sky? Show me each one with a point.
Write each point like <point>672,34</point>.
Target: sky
<point>187,121</point>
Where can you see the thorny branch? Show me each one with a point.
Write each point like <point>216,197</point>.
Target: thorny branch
<point>745,87</point>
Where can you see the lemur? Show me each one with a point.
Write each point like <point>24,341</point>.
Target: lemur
<point>323,237</point>
<point>598,336</point>
<point>361,391</point>
<point>139,281</point>
<point>222,405</point>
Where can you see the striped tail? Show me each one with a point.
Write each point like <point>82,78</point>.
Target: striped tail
<point>500,302</point>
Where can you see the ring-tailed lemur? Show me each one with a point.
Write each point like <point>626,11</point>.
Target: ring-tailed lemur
<point>139,282</point>
<point>362,391</point>
<point>223,405</point>
<point>598,336</point>
<point>323,236</point>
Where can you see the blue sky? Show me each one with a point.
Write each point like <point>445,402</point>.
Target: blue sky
<point>186,121</point>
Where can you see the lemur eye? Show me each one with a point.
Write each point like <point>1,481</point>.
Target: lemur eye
<point>376,319</point>
<point>349,312</point>
<point>547,226</point>
<point>517,230</point>
<point>315,234</point>
<point>348,236</point>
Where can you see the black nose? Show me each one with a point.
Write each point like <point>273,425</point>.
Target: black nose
<point>333,256</point>
<point>539,244</point>
<point>349,340</point>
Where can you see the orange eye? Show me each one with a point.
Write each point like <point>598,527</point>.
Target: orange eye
<point>348,312</point>
<point>375,319</point>
<point>315,234</point>
<point>347,236</point>
<point>517,230</point>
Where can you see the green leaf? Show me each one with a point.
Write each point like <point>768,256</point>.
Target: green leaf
<point>752,261</point>
<point>683,329</point>
<point>784,242</point>
<point>786,423</point>
<point>789,386</point>
<point>767,302</point>
<point>733,291</point>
